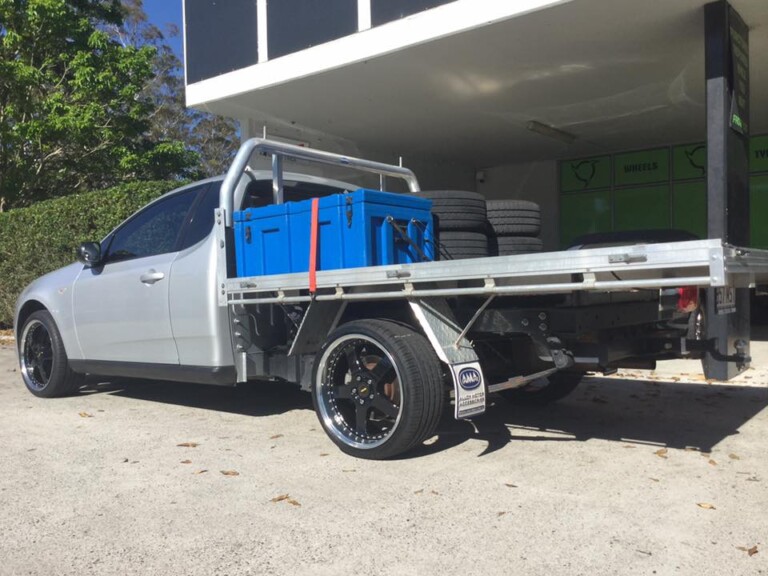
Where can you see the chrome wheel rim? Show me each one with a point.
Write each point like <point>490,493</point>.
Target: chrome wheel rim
<point>36,355</point>
<point>359,396</point>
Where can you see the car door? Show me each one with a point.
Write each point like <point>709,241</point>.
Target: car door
<point>121,308</point>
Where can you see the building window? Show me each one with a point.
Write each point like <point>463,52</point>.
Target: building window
<point>294,25</point>
<point>383,11</point>
<point>220,37</point>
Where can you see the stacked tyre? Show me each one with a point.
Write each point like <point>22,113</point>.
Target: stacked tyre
<point>461,224</point>
<point>516,225</point>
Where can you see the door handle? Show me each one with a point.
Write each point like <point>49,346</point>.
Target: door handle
<point>151,277</point>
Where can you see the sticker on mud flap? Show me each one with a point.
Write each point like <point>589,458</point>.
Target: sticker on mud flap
<point>470,389</point>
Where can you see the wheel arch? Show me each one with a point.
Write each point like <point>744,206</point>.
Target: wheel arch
<point>29,307</point>
<point>397,311</point>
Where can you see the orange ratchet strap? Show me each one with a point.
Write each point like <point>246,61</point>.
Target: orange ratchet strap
<point>313,246</point>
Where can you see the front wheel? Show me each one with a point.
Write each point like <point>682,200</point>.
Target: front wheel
<point>377,388</point>
<point>43,360</point>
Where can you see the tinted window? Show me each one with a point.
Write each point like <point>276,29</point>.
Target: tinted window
<point>154,230</point>
<point>297,24</point>
<point>258,193</point>
<point>221,37</point>
<point>201,223</point>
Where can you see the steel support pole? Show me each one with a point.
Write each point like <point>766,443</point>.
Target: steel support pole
<point>728,123</point>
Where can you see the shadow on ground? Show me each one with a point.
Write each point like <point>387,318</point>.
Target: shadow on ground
<point>252,399</point>
<point>672,414</point>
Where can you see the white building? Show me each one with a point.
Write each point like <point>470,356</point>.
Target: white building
<point>546,100</point>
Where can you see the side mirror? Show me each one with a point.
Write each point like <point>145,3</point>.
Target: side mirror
<point>89,253</point>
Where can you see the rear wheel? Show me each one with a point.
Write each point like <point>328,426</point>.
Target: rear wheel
<point>544,390</point>
<point>377,388</point>
<point>43,360</point>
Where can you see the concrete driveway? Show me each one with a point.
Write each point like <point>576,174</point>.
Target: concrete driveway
<point>665,475</point>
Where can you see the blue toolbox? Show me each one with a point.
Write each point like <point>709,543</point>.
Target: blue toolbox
<point>363,228</point>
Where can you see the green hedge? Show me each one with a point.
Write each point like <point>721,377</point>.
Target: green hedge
<point>41,238</point>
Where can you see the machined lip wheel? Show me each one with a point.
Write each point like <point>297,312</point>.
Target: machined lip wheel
<point>358,391</point>
<point>36,355</point>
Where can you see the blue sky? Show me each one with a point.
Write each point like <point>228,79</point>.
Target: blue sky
<point>162,12</point>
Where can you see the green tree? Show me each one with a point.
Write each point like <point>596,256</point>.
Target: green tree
<point>75,112</point>
<point>214,138</point>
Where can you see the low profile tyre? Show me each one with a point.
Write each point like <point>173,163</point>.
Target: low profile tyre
<point>514,217</point>
<point>544,390</point>
<point>460,221</point>
<point>459,245</point>
<point>43,360</point>
<point>454,198</point>
<point>512,245</point>
<point>515,226</point>
<point>377,388</point>
<point>513,208</point>
<point>457,209</point>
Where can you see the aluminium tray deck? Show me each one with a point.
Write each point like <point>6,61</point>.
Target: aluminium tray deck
<point>704,263</point>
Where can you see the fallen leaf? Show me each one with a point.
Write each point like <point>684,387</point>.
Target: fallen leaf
<point>420,491</point>
<point>646,552</point>
<point>500,514</point>
<point>188,445</point>
<point>712,463</point>
<point>200,472</point>
<point>230,472</point>
<point>662,453</point>
<point>125,460</point>
<point>286,498</point>
<point>752,551</point>
<point>734,457</point>
<point>276,436</point>
<point>511,485</point>
<point>654,479</point>
<point>705,505</point>
<point>436,493</point>
<point>324,454</point>
<point>85,415</point>
<point>186,462</point>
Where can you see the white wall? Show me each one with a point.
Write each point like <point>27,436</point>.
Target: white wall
<point>536,181</point>
<point>432,174</point>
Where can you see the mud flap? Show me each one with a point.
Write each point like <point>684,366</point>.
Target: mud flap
<point>452,348</point>
<point>470,390</point>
